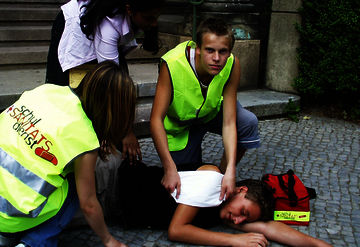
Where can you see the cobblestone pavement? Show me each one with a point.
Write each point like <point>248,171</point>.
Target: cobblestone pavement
<point>323,152</point>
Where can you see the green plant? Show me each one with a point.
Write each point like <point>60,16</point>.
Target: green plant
<point>292,111</point>
<point>329,53</point>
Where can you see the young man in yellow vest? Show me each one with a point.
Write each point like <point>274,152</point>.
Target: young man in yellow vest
<point>196,93</point>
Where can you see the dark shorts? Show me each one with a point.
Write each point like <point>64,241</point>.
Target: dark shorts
<point>247,137</point>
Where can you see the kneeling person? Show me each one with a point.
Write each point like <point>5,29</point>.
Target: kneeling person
<point>49,142</point>
<point>196,93</point>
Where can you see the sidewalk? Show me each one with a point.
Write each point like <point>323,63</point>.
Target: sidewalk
<point>323,152</point>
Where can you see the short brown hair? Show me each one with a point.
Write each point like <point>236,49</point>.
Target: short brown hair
<point>108,97</point>
<point>261,194</point>
<point>217,26</point>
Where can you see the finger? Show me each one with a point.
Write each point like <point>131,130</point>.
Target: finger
<point>262,241</point>
<point>132,155</point>
<point>139,154</point>
<point>123,151</point>
<point>222,193</point>
<point>170,189</point>
<point>265,242</point>
<point>178,188</point>
<point>131,158</point>
<point>228,194</point>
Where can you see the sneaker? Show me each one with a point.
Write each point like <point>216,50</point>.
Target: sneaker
<point>20,245</point>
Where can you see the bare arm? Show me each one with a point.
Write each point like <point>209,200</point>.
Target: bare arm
<point>85,185</point>
<point>229,133</point>
<point>171,179</point>
<point>182,230</point>
<point>284,234</point>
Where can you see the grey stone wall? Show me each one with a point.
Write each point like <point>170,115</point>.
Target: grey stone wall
<point>248,52</point>
<point>281,68</point>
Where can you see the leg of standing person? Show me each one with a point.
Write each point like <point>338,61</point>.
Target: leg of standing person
<point>54,73</point>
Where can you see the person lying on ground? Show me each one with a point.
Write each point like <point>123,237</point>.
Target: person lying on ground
<point>144,202</point>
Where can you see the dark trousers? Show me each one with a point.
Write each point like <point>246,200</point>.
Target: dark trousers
<point>54,73</point>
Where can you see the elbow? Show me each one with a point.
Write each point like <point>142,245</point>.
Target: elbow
<point>173,233</point>
<point>87,208</point>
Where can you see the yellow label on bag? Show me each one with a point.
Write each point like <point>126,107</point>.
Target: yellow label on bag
<point>292,216</point>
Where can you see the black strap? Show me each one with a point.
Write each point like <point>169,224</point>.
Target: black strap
<point>290,189</point>
<point>311,192</point>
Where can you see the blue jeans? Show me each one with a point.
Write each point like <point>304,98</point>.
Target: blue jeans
<point>190,157</point>
<point>45,234</point>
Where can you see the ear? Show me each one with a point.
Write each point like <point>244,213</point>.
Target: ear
<point>197,50</point>
<point>241,189</point>
<point>128,10</point>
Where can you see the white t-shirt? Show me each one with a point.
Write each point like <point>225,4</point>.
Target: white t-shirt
<point>75,49</point>
<point>200,188</point>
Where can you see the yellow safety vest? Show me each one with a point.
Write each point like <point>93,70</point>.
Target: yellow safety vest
<point>41,134</point>
<point>188,105</point>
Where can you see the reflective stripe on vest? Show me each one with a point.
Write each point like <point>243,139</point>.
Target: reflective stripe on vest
<point>188,105</point>
<point>41,135</point>
<point>33,181</point>
<point>292,216</point>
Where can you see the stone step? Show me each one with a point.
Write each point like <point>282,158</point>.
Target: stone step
<point>27,50</point>
<point>34,54</point>
<point>33,1</point>
<point>264,103</point>
<point>23,55</point>
<point>14,81</point>
<point>25,33</point>
<point>28,14</point>
<point>246,50</point>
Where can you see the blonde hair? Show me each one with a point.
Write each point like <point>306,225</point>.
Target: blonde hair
<point>108,97</point>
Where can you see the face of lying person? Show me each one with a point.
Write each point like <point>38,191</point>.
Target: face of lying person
<point>240,209</point>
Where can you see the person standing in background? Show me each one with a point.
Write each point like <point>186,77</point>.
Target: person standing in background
<point>91,31</point>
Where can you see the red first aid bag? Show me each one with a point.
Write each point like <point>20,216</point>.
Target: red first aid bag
<point>292,204</point>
